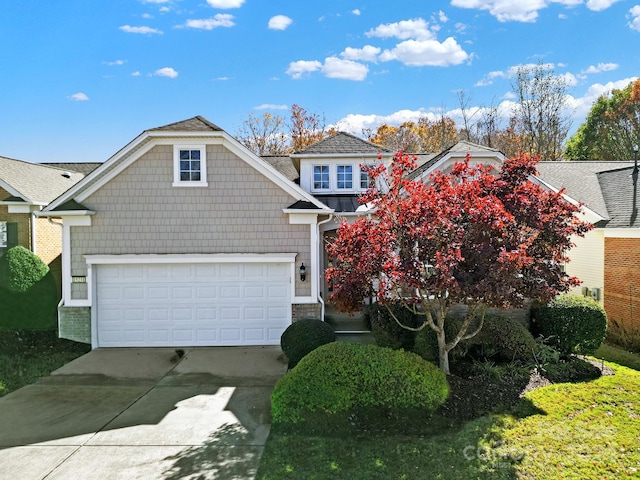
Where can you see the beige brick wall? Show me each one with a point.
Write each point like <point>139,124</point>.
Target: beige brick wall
<point>622,282</point>
<point>22,219</point>
<point>140,212</point>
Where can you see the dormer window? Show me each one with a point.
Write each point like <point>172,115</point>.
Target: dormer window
<point>321,177</point>
<point>189,166</point>
<point>345,177</point>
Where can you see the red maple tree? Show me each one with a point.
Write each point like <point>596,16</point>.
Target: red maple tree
<point>475,236</point>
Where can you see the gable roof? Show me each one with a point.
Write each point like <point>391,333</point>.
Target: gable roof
<point>194,124</point>
<point>459,148</point>
<point>342,143</point>
<point>33,183</point>
<point>284,165</point>
<point>580,179</point>
<point>80,167</point>
<point>197,129</point>
<point>620,192</point>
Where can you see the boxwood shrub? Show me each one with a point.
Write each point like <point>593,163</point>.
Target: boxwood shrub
<point>501,338</point>
<point>386,330</point>
<point>302,337</point>
<point>343,377</point>
<point>28,292</point>
<point>571,324</point>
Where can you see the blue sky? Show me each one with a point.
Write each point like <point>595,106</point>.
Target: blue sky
<point>80,79</point>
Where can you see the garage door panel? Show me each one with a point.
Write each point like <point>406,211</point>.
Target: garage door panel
<point>192,304</point>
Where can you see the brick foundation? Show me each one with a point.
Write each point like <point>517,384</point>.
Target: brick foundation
<point>301,311</point>
<point>74,323</point>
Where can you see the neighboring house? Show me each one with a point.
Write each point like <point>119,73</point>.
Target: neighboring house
<point>607,259</point>
<point>25,189</point>
<point>185,238</point>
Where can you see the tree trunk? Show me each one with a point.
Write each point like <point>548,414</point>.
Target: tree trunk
<point>443,352</point>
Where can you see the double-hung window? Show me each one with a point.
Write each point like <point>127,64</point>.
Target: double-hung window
<point>345,177</point>
<point>365,180</point>
<point>189,166</point>
<point>321,177</point>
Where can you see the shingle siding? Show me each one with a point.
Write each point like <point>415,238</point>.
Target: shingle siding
<point>140,212</point>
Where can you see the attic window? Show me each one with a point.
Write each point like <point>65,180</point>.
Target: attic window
<point>189,166</point>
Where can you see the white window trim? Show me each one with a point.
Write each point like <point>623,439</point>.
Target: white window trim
<point>353,170</point>
<point>313,167</point>
<point>203,166</point>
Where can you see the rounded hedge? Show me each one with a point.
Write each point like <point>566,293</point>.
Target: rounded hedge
<point>29,294</point>
<point>571,324</point>
<point>501,338</point>
<point>304,336</point>
<point>341,377</point>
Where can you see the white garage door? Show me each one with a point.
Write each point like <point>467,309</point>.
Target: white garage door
<point>192,304</point>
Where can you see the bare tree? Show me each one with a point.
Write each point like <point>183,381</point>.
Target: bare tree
<point>539,113</point>
<point>263,134</point>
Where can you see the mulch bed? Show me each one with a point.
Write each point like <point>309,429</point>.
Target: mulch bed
<point>472,395</point>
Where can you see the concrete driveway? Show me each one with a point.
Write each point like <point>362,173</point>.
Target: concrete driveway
<point>143,414</point>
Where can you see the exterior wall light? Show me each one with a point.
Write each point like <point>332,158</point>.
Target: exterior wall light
<point>303,273</point>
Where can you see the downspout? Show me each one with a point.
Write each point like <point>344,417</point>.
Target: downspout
<point>61,302</point>
<point>321,241</point>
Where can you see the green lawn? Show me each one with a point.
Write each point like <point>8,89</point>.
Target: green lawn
<point>27,356</point>
<point>587,430</point>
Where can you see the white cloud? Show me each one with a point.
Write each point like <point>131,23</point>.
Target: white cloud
<point>601,67</point>
<point>599,5</point>
<point>271,106</point>
<point>78,97</point>
<point>335,67</point>
<point>223,4</point>
<point>518,10</point>
<point>417,29</point>
<point>634,22</point>
<point>166,72</point>
<point>367,53</point>
<point>279,22</point>
<point>442,17</point>
<point>356,11</point>
<point>418,53</point>
<point>582,105</point>
<point>142,30</point>
<point>222,79</point>
<point>155,1</point>
<point>219,20</point>
<point>299,68</point>
<point>136,74</point>
<point>114,63</point>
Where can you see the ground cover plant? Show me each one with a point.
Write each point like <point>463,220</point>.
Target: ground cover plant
<point>583,430</point>
<point>26,356</point>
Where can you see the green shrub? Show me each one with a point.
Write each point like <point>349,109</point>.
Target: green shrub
<point>386,330</point>
<point>570,323</point>
<point>29,294</point>
<point>25,269</point>
<point>342,377</point>
<point>304,336</point>
<point>501,339</point>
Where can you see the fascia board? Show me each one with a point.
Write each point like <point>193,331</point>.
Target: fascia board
<point>341,155</point>
<point>65,213</point>
<point>15,193</point>
<point>460,155</point>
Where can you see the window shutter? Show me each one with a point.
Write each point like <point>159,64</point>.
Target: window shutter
<point>12,235</point>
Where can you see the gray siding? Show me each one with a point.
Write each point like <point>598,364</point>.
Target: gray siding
<point>140,212</point>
